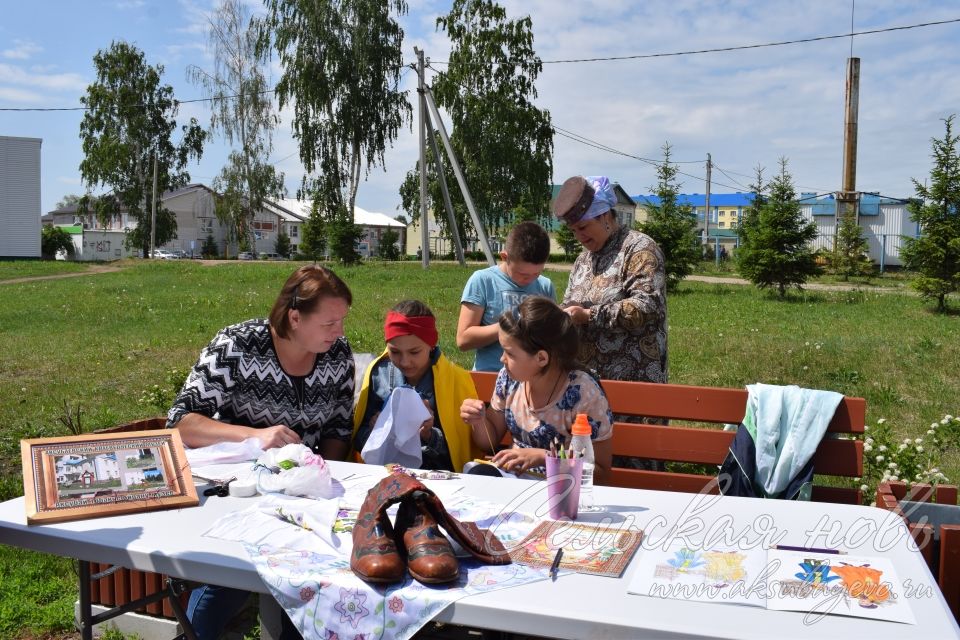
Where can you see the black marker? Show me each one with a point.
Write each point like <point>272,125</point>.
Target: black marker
<point>556,564</point>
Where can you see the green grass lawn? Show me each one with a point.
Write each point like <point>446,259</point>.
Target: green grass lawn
<point>100,342</point>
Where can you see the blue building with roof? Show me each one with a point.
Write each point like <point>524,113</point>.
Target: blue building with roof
<point>885,221</point>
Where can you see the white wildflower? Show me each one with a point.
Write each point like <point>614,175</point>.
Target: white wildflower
<point>863,487</point>
<point>894,478</point>
<point>907,441</point>
<point>869,440</point>
<point>902,447</point>
<point>867,448</point>
<point>881,420</point>
<point>930,432</point>
<point>806,344</point>
<point>944,421</point>
<point>918,441</point>
<point>919,449</point>
<point>805,367</point>
<point>882,447</point>
<point>879,458</point>
<point>892,465</point>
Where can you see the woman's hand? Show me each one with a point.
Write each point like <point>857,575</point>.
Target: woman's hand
<point>473,412</point>
<point>579,315</point>
<point>520,459</point>
<point>277,436</point>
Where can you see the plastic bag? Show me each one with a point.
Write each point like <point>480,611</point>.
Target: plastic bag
<point>396,435</point>
<point>294,470</point>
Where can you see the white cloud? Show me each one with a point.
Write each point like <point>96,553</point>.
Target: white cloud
<point>196,17</point>
<point>54,81</point>
<point>22,50</point>
<point>20,95</point>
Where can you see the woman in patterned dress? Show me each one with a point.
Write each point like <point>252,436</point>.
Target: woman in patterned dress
<point>617,291</point>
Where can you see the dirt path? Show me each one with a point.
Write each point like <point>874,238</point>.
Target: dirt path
<point>92,270</point>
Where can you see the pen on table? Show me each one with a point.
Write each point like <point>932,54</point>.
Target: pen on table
<point>556,564</point>
<point>785,547</point>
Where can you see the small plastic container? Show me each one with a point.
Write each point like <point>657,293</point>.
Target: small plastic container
<point>582,446</point>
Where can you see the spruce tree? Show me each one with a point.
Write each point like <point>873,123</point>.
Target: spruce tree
<point>774,238</point>
<point>672,225</point>
<point>567,240</point>
<point>935,255</point>
<point>313,243</point>
<point>850,254</point>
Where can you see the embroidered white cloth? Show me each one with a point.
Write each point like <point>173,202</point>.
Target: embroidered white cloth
<point>224,452</point>
<point>396,435</point>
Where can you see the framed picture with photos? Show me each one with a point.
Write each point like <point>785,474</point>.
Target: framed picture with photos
<point>105,474</point>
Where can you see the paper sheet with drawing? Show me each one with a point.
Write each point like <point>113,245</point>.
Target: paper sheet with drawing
<point>807,581</point>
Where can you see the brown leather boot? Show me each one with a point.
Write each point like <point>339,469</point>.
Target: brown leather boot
<point>375,557</point>
<point>430,557</point>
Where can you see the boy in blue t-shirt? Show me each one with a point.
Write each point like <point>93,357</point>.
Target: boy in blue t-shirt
<point>491,291</point>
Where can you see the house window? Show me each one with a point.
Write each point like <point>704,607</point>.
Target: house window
<point>722,224</point>
<point>723,214</point>
<point>206,225</point>
<point>263,226</point>
<point>294,231</point>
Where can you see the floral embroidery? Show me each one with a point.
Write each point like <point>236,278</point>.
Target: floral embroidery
<point>351,606</point>
<point>307,593</point>
<point>396,604</point>
<point>331,635</point>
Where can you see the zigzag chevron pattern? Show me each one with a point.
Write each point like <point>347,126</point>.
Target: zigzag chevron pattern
<point>238,379</point>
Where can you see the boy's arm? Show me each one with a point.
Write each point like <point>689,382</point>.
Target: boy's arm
<point>470,333</point>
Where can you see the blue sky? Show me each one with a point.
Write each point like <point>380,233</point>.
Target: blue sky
<point>746,108</point>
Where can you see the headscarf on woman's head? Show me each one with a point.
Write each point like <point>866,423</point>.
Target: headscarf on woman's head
<point>604,198</point>
<point>424,327</point>
<point>584,199</point>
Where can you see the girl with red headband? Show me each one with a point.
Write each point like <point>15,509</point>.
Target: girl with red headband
<point>413,358</point>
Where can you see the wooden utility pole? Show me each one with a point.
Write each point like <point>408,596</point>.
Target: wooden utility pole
<point>706,206</point>
<point>847,198</point>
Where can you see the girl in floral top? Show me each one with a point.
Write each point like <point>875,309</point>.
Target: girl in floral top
<point>540,390</point>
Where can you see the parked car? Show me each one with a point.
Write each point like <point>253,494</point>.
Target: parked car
<point>244,255</point>
<point>180,254</point>
<point>163,254</point>
<point>269,255</point>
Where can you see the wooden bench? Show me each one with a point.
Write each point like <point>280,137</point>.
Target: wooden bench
<point>842,457</point>
<point>943,558</point>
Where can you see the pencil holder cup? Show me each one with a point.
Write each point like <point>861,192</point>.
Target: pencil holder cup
<point>563,487</point>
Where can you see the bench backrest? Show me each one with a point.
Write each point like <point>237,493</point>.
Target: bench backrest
<point>834,457</point>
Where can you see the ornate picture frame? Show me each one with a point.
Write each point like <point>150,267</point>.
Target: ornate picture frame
<point>105,474</point>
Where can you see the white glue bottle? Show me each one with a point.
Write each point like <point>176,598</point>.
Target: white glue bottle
<point>582,446</point>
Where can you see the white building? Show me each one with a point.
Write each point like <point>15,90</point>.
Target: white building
<point>194,209</point>
<point>20,197</point>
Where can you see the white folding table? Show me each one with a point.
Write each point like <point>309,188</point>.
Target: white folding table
<point>574,606</point>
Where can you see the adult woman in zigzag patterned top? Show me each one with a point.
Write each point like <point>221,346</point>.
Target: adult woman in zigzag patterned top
<point>284,379</point>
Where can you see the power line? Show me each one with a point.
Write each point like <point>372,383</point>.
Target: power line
<point>176,102</point>
<point>725,49</point>
<point>576,60</point>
